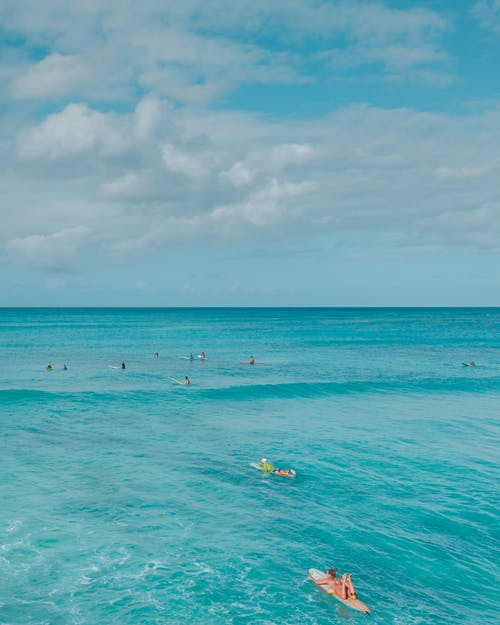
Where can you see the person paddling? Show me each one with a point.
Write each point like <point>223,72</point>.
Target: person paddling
<point>268,467</point>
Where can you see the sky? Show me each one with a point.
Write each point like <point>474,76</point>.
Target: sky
<point>250,153</point>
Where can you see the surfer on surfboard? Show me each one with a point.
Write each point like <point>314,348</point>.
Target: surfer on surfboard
<point>268,467</point>
<point>340,587</point>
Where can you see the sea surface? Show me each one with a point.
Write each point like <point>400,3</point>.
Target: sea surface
<point>127,498</point>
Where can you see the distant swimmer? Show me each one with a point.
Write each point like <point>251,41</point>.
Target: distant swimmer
<point>65,367</point>
<point>186,380</point>
<point>251,361</point>
<point>155,355</point>
<point>122,366</point>
<point>191,357</point>
<point>49,367</point>
<point>469,364</point>
<point>203,355</point>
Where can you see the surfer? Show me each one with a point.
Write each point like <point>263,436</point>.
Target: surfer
<point>191,357</point>
<point>122,366</point>
<point>342,586</point>
<point>155,355</point>
<point>203,355</point>
<point>49,367</point>
<point>65,367</point>
<point>251,361</point>
<point>186,380</point>
<point>339,587</point>
<point>268,467</point>
<point>469,364</point>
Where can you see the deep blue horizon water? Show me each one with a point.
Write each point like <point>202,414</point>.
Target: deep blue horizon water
<point>129,499</point>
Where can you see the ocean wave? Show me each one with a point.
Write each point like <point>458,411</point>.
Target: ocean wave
<point>320,389</point>
<point>282,390</point>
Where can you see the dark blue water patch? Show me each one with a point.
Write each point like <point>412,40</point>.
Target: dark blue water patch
<point>13,395</point>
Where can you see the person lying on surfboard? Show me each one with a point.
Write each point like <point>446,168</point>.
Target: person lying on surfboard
<point>267,467</point>
<point>339,587</point>
<point>342,586</point>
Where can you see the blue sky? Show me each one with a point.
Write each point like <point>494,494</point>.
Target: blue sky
<point>296,153</point>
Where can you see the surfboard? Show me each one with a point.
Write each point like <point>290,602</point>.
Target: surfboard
<point>321,580</point>
<point>113,367</point>
<point>177,381</point>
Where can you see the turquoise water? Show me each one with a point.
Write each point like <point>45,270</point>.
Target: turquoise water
<point>129,499</point>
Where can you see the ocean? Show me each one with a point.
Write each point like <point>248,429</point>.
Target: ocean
<point>128,498</point>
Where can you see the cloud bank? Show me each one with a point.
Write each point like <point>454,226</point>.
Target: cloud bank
<point>120,135</point>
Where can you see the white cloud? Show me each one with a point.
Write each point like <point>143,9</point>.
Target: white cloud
<point>291,154</point>
<point>52,77</point>
<point>178,160</point>
<point>76,131</point>
<point>488,14</point>
<point>454,174</point>
<point>151,114</point>
<point>238,175</point>
<point>189,54</point>
<point>58,250</point>
<point>127,187</point>
<point>267,206</point>
<point>187,174</point>
<point>405,44</point>
<point>143,172</point>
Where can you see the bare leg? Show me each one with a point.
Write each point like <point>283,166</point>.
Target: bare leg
<point>343,593</point>
<point>350,588</point>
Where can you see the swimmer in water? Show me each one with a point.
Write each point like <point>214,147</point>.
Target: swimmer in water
<point>202,355</point>
<point>251,361</point>
<point>191,357</point>
<point>122,366</point>
<point>186,380</point>
<point>49,367</point>
<point>155,355</point>
<point>65,367</point>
